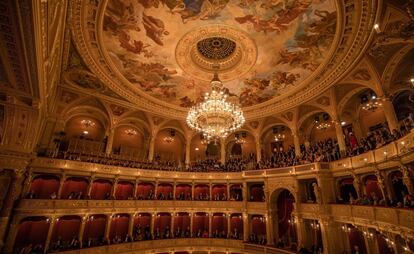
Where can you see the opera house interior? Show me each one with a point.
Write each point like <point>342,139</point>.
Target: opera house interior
<point>207,126</point>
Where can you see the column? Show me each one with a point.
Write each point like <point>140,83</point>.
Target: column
<point>340,136</point>
<point>49,234</point>
<point>13,194</point>
<point>153,215</point>
<point>210,191</point>
<point>191,223</point>
<point>136,188</point>
<point>245,193</point>
<point>192,190</point>
<point>110,141</point>
<point>357,185</point>
<point>210,226</point>
<point>61,183</point>
<point>332,236</point>
<point>188,151</point>
<point>296,142</point>
<point>108,226</point>
<point>228,190</point>
<point>222,151</point>
<point>82,229</point>
<point>174,189</point>
<point>228,225</point>
<point>11,236</point>
<point>258,150</point>
<point>269,229</point>
<point>246,230</point>
<point>156,189</point>
<point>114,186</point>
<point>300,230</point>
<point>389,113</point>
<point>131,225</point>
<point>27,184</point>
<point>90,186</point>
<point>172,223</point>
<point>151,147</point>
<point>381,185</point>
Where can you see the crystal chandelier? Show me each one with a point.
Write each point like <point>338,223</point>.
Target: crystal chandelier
<point>88,123</point>
<point>372,103</point>
<point>279,137</point>
<point>323,125</point>
<point>215,117</point>
<point>131,132</point>
<point>169,139</point>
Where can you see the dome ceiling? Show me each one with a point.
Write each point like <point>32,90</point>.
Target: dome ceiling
<point>264,49</point>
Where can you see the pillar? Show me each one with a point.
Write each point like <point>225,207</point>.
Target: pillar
<point>245,193</point>
<point>131,224</point>
<point>136,188</point>
<point>188,151</point>
<point>296,142</point>
<point>332,236</point>
<point>269,229</point>
<point>108,226</point>
<point>407,179</point>
<point>228,225</point>
<point>246,230</point>
<point>357,185</point>
<point>300,230</point>
<point>156,189</point>
<point>114,186</point>
<point>340,136</point>
<point>11,236</point>
<point>153,215</point>
<point>174,189</point>
<point>192,190</point>
<point>389,113</point>
<point>151,147</point>
<point>90,186</point>
<point>356,126</point>
<point>81,230</point>
<point>172,224</point>
<point>61,183</point>
<point>222,151</point>
<point>110,141</point>
<point>210,226</point>
<point>49,234</point>
<point>258,150</point>
<point>381,185</point>
<point>210,191</point>
<point>27,184</point>
<point>191,223</point>
<point>228,190</point>
<point>13,194</point>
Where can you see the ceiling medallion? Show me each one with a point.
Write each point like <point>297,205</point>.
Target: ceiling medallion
<point>215,118</point>
<point>216,48</point>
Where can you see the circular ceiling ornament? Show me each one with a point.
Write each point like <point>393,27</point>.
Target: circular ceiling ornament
<point>216,48</point>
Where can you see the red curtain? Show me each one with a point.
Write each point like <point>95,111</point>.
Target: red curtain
<point>258,226</point>
<point>100,189</point>
<point>144,189</point>
<point>371,186</point>
<point>201,189</point>
<point>285,202</point>
<point>74,185</point>
<point>256,192</point>
<point>43,186</point>
<point>182,221</point>
<point>383,246</point>
<point>236,221</point>
<point>219,223</point>
<point>95,228</point>
<point>66,228</point>
<point>183,188</point>
<point>162,221</point>
<point>32,230</point>
<point>164,188</point>
<point>200,222</point>
<point>124,190</point>
<point>357,239</point>
<point>143,220</point>
<point>119,226</point>
<point>219,189</point>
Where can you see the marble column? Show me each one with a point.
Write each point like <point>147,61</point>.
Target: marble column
<point>389,113</point>
<point>49,234</point>
<point>340,136</point>
<point>258,150</point>
<point>110,141</point>
<point>296,142</point>
<point>114,186</point>
<point>108,226</point>
<point>269,229</point>
<point>82,230</point>
<point>246,230</point>
<point>151,147</point>
<point>131,224</point>
<point>188,152</point>
<point>191,223</point>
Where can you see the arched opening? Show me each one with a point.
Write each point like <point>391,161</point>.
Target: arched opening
<point>129,142</point>
<point>219,192</point>
<point>74,188</point>
<point>183,192</point>
<point>200,225</point>
<point>44,187</point>
<point>356,240</point>
<point>142,227</point>
<point>372,190</point>
<point>182,225</point>
<point>276,139</point>
<point>162,226</point>
<point>256,192</point>
<point>101,189</point>
<point>399,190</point>
<point>236,226</point>
<point>94,231</point>
<point>241,145</point>
<point>164,191</point>
<point>31,234</point>
<point>169,146</point>
<point>219,225</point>
<point>258,230</point>
<point>282,205</point>
<point>65,233</point>
<point>383,245</point>
<point>145,191</point>
<point>124,190</point>
<point>236,192</point>
<point>347,190</point>
<point>201,192</point>
<point>202,150</point>
<point>119,228</point>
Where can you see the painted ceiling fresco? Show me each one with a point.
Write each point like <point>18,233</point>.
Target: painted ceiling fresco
<point>292,39</point>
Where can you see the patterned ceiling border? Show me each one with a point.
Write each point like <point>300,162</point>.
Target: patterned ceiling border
<point>354,32</point>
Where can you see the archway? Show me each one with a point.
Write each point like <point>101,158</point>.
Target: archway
<point>284,230</point>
